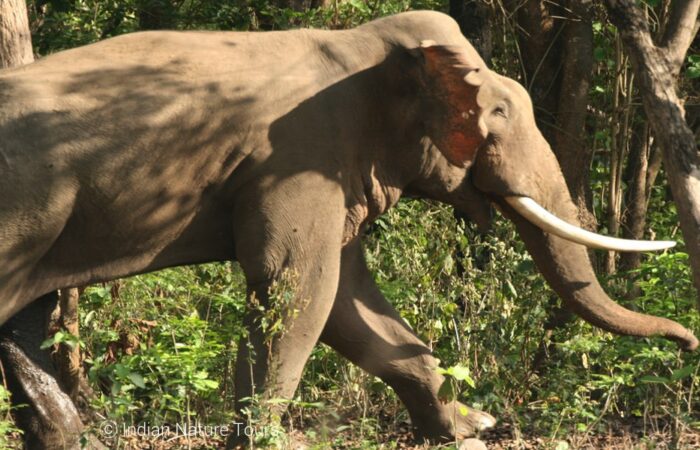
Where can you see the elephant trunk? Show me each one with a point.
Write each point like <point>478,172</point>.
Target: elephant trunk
<point>567,268</point>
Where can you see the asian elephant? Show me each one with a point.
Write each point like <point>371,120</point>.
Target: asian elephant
<point>277,149</point>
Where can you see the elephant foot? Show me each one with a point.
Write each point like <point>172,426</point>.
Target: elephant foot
<point>450,424</point>
<point>471,424</point>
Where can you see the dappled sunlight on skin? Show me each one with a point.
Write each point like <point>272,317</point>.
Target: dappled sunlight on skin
<point>147,151</point>
<point>169,144</point>
<point>105,146</point>
<point>109,133</point>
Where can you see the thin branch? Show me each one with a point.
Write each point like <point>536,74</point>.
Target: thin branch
<point>634,30</point>
<point>680,31</point>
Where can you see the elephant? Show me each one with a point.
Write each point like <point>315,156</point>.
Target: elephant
<point>277,149</point>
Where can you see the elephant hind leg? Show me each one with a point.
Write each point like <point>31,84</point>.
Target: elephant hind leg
<point>365,328</point>
<point>49,420</point>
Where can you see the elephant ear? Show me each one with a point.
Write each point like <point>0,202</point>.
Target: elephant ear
<point>454,78</point>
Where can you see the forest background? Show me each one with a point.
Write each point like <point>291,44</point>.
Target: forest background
<point>159,348</point>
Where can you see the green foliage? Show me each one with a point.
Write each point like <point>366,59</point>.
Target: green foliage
<point>455,376</point>
<point>693,69</point>
<point>161,344</point>
<point>599,375</point>
<point>61,337</point>
<point>9,433</point>
<point>276,319</point>
<point>58,25</point>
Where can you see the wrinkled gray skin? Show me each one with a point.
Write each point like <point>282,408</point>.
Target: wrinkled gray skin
<point>276,149</point>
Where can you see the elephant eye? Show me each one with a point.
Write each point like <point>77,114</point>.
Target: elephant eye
<point>500,110</point>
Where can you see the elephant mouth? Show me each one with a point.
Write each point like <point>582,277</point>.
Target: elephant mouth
<point>548,222</point>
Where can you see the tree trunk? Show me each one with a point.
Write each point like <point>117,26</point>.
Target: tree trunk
<point>656,68</point>
<point>634,219</point>
<point>67,358</point>
<point>475,21</point>
<point>557,55</point>
<point>15,38</point>
<point>622,114</point>
<point>569,137</point>
<point>156,14</point>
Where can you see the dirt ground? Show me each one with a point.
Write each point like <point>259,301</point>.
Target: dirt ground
<point>498,439</point>
<point>623,436</point>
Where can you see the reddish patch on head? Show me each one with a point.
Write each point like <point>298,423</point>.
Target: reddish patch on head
<point>461,148</point>
<point>458,135</point>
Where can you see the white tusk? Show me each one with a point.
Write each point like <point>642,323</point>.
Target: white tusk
<point>550,223</point>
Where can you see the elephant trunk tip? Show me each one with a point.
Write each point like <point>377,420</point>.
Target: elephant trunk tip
<point>689,342</point>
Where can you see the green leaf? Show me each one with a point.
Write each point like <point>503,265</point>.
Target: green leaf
<point>460,372</point>
<point>137,379</point>
<point>654,379</point>
<point>448,264</point>
<point>205,385</point>
<point>447,393</point>
<point>682,372</point>
<point>599,54</point>
<point>525,266</point>
<point>88,317</point>
<point>377,386</point>
<point>450,308</point>
<point>470,382</point>
<point>693,72</point>
<point>51,341</point>
<point>463,410</point>
<point>511,289</point>
<point>116,388</point>
<point>121,370</point>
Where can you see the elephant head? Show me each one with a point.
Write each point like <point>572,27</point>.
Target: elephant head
<point>485,123</point>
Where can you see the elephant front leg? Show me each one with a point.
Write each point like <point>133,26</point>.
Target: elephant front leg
<point>289,249</point>
<point>365,328</point>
